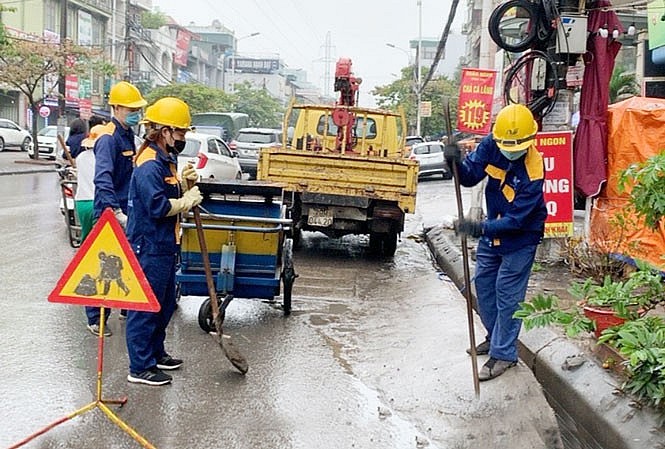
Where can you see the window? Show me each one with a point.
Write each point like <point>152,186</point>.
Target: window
<point>52,15</point>
<point>423,149</point>
<point>359,127</point>
<point>256,137</point>
<point>191,148</point>
<point>223,149</point>
<point>212,147</point>
<point>435,148</point>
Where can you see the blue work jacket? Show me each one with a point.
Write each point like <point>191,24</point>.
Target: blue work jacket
<point>114,163</point>
<point>74,144</point>
<point>153,183</point>
<point>516,209</point>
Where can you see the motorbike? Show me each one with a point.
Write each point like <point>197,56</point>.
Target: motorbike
<point>68,184</point>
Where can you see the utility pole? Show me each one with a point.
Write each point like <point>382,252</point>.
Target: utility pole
<point>419,77</point>
<point>327,59</point>
<point>62,91</point>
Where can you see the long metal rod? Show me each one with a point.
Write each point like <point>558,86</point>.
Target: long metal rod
<point>465,257</point>
<point>467,286</point>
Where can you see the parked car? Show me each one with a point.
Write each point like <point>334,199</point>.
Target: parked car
<point>12,135</point>
<point>218,131</point>
<point>412,140</point>
<point>47,142</point>
<point>210,156</point>
<point>248,144</point>
<point>430,159</point>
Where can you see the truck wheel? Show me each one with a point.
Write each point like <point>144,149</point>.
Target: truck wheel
<point>389,244</point>
<point>375,241</point>
<point>296,236</point>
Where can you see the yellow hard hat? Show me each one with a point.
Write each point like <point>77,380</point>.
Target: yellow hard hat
<point>168,111</point>
<point>514,129</point>
<point>127,95</point>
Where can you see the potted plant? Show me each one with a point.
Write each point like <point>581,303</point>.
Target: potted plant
<point>600,305</point>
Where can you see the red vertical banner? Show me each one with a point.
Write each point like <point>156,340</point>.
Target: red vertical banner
<point>182,47</point>
<point>474,110</point>
<point>557,151</point>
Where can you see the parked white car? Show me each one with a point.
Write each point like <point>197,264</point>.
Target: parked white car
<point>430,159</point>
<point>12,135</point>
<point>210,156</point>
<point>47,141</point>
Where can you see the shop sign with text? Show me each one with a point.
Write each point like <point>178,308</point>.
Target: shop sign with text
<point>474,110</point>
<point>557,151</point>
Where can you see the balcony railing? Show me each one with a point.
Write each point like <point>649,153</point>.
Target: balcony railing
<point>104,5</point>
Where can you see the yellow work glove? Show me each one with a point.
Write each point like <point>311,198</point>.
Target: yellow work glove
<point>188,176</point>
<point>191,198</point>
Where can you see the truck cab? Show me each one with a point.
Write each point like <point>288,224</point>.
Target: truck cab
<point>374,133</point>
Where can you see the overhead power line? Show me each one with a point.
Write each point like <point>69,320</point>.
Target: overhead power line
<point>442,45</point>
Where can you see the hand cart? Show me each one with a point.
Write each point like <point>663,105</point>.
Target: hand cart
<point>245,229</point>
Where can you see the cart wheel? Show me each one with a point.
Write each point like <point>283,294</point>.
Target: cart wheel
<point>288,275</point>
<point>205,316</point>
<point>178,294</point>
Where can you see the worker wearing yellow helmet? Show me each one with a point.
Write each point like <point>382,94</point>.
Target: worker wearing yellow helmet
<point>156,200</point>
<point>114,154</point>
<point>509,235</point>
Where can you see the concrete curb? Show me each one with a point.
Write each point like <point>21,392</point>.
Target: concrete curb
<point>25,172</point>
<point>22,167</point>
<point>590,412</point>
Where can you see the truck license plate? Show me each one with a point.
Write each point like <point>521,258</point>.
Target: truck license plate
<point>320,216</point>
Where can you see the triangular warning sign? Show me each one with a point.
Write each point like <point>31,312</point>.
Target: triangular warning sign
<point>105,272</point>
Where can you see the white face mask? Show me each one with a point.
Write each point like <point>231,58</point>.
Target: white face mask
<point>513,155</point>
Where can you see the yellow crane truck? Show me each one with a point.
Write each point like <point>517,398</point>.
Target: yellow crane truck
<point>343,168</point>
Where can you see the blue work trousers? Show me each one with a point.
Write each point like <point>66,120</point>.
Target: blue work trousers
<point>146,331</point>
<point>501,281</point>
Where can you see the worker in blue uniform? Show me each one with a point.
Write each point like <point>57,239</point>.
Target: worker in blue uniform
<point>509,236</point>
<point>153,230</point>
<point>114,161</point>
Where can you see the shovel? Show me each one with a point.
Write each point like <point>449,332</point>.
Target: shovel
<point>230,351</point>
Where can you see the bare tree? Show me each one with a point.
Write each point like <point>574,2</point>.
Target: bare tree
<point>25,61</point>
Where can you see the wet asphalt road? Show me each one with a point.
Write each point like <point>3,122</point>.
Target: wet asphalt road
<point>354,366</point>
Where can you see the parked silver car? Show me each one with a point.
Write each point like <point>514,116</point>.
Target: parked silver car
<point>12,135</point>
<point>430,159</point>
<point>248,144</point>
<point>210,156</point>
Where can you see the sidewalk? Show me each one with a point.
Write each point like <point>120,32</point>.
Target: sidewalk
<point>583,395</point>
<point>18,162</point>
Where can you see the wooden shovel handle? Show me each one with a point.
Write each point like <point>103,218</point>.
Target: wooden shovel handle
<point>206,259</point>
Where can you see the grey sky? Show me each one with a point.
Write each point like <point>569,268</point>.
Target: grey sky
<point>296,31</point>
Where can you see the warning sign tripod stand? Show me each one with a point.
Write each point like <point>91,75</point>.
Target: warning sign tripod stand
<point>101,261</point>
<point>99,403</point>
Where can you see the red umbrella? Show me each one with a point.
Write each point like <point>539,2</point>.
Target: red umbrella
<point>590,143</point>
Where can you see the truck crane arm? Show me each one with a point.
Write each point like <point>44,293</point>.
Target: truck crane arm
<point>347,85</point>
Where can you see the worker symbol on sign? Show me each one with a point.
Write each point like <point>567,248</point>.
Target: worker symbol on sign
<point>110,270</point>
